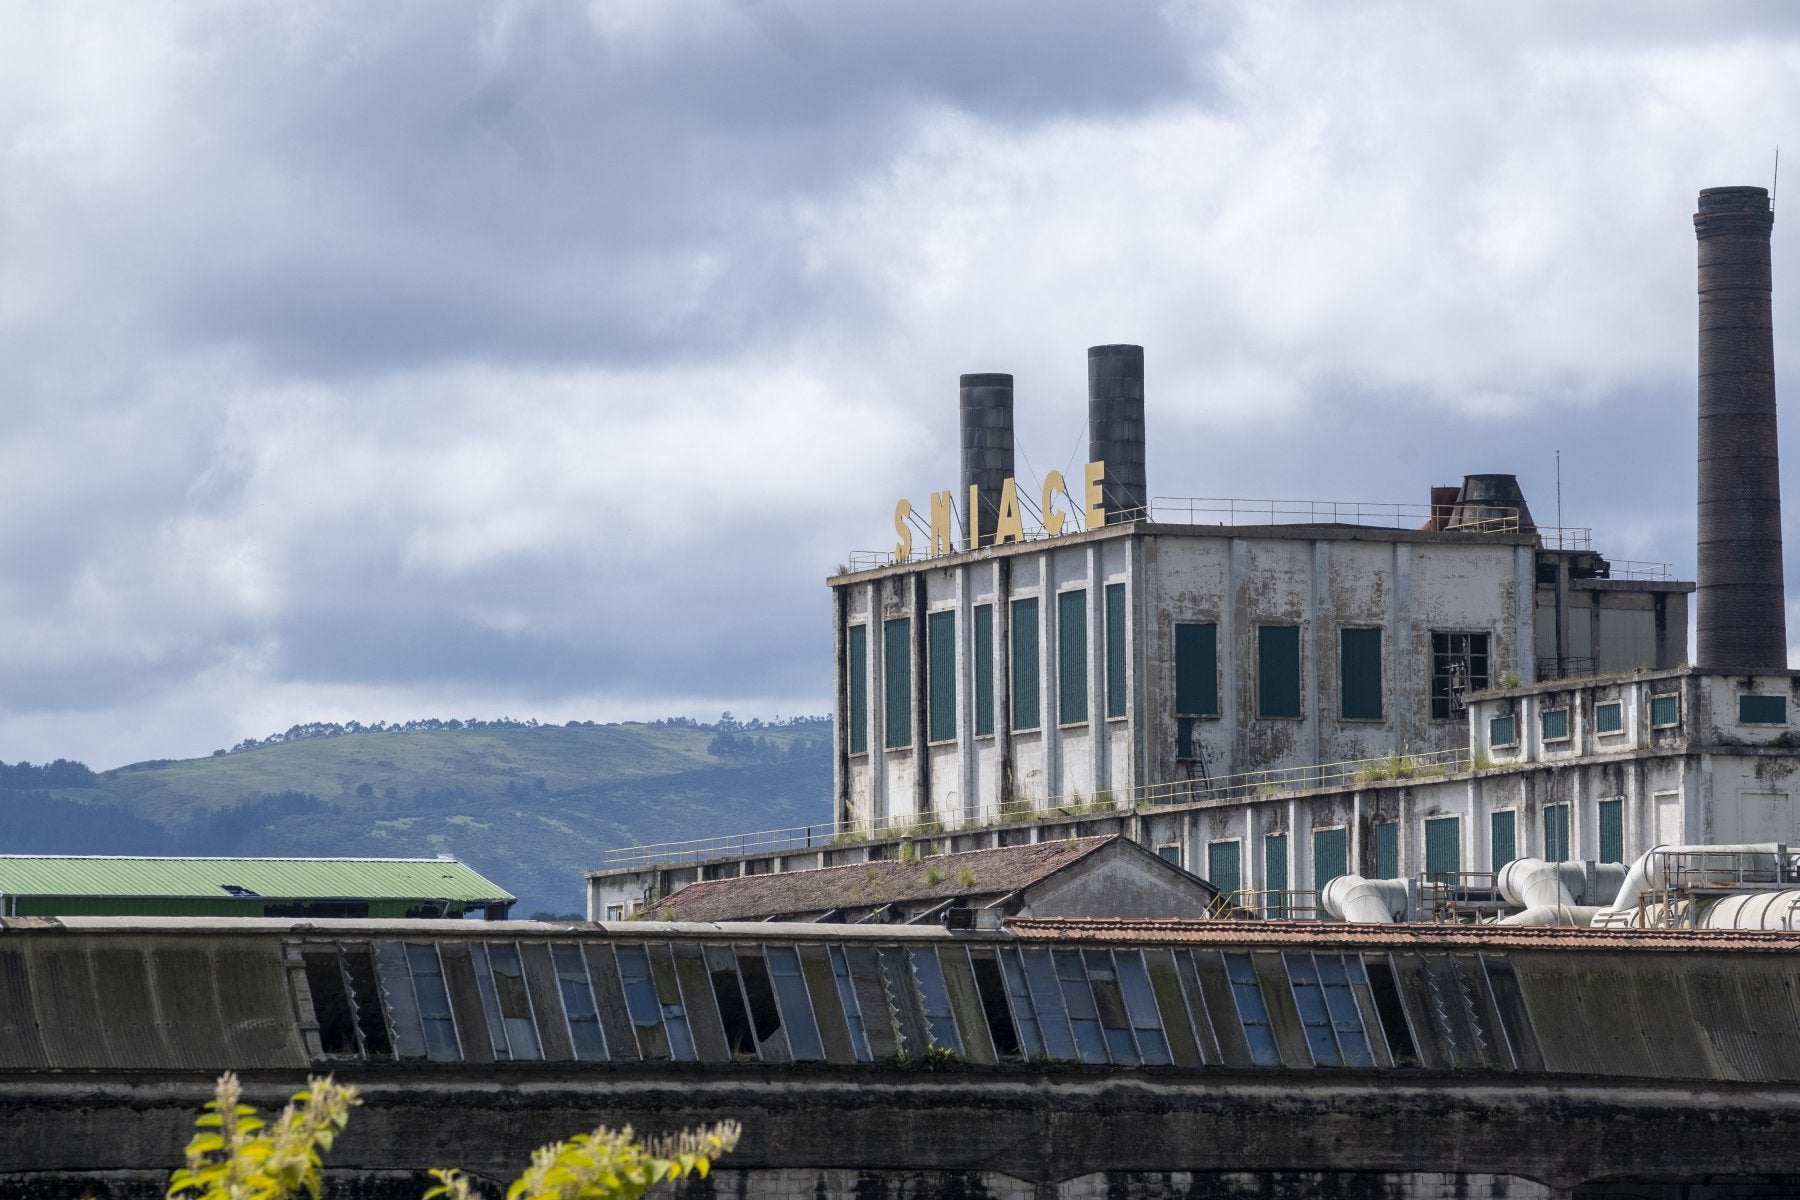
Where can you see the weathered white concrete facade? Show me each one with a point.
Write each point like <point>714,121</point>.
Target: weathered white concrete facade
<point>1491,601</point>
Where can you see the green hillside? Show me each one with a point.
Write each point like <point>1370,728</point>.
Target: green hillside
<point>531,806</point>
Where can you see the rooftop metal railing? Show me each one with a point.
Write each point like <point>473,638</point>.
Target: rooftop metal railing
<point>1631,568</point>
<point>1278,781</point>
<point>1239,511</point>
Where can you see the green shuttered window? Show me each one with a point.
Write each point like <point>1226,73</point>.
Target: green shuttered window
<point>896,674</point>
<point>1275,873</point>
<point>1762,710</point>
<point>1224,866</point>
<point>1556,832</point>
<point>1609,717</point>
<point>1025,709</point>
<point>1359,670</point>
<point>1071,657</point>
<point>984,669</point>
<point>1387,849</point>
<point>859,689</point>
<point>1331,855</point>
<point>1278,671</point>
<point>940,645</point>
<point>1504,838</point>
<point>1115,649</point>
<point>1665,710</point>
<point>1443,844</point>
<point>1612,831</point>
<point>1196,670</point>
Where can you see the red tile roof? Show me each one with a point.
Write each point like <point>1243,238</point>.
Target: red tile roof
<point>1298,934</point>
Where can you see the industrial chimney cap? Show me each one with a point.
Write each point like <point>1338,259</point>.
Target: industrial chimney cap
<point>1733,210</point>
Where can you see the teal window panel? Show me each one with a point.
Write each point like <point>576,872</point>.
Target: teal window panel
<point>859,689</point>
<point>896,674</point>
<point>1503,838</point>
<point>1071,657</point>
<point>1359,674</point>
<point>1555,724</point>
<point>1665,711</point>
<point>1275,872</point>
<point>1443,844</point>
<point>1503,731</point>
<point>1224,866</point>
<point>1026,711</point>
<point>1170,853</point>
<point>1115,649</point>
<point>984,669</point>
<point>1762,710</point>
<point>1387,849</point>
<point>1331,855</point>
<point>1609,717</point>
<point>1556,832</point>
<point>1278,671</point>
<point>940,667</point>
<point>1196,670</point>
<point>1612,830</point>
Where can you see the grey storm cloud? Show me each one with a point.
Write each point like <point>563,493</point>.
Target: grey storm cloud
<point>541,358</point>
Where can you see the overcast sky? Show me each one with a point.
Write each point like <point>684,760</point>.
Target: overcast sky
<point>541,359</point>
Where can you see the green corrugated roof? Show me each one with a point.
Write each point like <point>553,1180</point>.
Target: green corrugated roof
<point>283,878</point>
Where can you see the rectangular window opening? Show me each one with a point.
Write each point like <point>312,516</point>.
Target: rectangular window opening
<point>1278,670</point>
<point>1071,658</point>
<point>859,689</point>
<point>1359,674</point>
<point>514,1001</point>
<point>1331,856</point>
<point>1275,875</point>
<point>1554,722</point>
<point>1665,710</point>
<point>1503,731</point>
<point>1556,832</point>
<point>896,676</point>
<point>433,996</point>
<point>1115,650</point>
<point>1609,718</point>
<point>1459,665</point>
<point>984,670</point>
<point>1503,837</point>
<point>578,1002</point>
<point>1443,845</point>
<point>1196,670</point>
<point>1026,712</point>
<point>1387,849</point>
<point>1611,814</point>
<point>1762,710</point>
<point>1252,1013</point>
<point>1224,866</point>
<point>940,676</point>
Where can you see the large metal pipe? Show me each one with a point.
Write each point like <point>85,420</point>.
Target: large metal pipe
<point>1741,619</point>
<point>1753,857</point>
<point>1534,883</point>
<point>986,406</point>
<point>1372,901</point>
<point>1757,910</point>
<point>1116,425</point>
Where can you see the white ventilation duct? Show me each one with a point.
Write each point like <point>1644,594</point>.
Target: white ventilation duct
<point>1534,883</point>
<point>1762,856</point>
<point>1369,901</point>
<point>1554,914</point>
<point>1758,910</point>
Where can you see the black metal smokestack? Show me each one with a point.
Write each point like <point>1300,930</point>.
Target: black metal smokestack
<point>1116,424</point>
<point>986,403</point>
<point>1742,622</point>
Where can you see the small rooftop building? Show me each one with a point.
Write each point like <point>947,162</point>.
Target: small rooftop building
<point>1086,877</point>
<point>33,885</point>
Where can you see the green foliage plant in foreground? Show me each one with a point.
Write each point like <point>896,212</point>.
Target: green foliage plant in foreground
<point>236,1155</point>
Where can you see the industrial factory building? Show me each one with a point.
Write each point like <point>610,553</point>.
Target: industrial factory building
<point>1273,694</point>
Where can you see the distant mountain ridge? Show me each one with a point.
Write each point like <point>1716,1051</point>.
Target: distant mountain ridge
<point>531,806</point>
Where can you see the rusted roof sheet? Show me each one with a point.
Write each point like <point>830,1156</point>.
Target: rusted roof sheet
<point>1412,936</point>
<point>872,884</point>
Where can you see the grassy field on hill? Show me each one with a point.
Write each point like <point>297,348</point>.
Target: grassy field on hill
<point>530,806</point>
